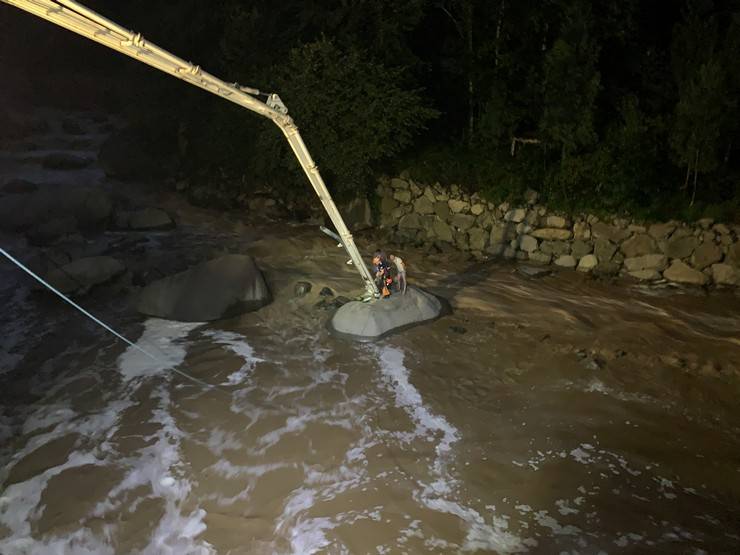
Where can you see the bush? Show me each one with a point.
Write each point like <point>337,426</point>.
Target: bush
<point>353,112</point>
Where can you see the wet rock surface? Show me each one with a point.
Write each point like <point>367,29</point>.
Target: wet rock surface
<point>217,289</point>
<point>376,319</point>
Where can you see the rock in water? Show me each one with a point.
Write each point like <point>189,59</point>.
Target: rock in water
<point>80,275</point>
<point>220,288</point>
<point>369,321</point>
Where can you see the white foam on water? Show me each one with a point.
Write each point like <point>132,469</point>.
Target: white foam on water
<point>19,504</point>
<point>440,494</point>
<point>236,343</point>
<point>163,340</point>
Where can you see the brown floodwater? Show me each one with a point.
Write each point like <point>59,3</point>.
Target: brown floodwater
<point>557,414</point>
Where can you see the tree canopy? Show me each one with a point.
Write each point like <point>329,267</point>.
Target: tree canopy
<point>600,104</point>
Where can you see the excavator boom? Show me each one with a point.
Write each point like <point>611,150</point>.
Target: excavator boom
<point>83,21</point>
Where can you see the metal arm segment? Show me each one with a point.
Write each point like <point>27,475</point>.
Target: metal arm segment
<point>89,24</point>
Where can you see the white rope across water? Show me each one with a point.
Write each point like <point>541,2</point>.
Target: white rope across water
<point>54,290</point>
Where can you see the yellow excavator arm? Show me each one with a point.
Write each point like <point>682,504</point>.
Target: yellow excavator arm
<point>83,21</point>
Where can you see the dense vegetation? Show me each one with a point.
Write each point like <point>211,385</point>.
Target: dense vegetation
<point>615,105</point>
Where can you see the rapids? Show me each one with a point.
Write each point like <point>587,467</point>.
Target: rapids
<point>552,415</point>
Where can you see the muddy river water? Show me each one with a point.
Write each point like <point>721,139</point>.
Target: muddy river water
<point>545,415</point>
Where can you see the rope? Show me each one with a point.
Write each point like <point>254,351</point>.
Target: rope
<point>103,324</point>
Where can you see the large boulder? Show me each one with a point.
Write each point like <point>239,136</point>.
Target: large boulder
<point>220,288</point>
<point>80,275</point>
<point>588,263</point>
<point>705,255</point>
<point>683,273</point>
<point>639,245</point>
<point>370,321</point>
<point>680,246</point>
<point>654,262</point>
<point>724,274</point>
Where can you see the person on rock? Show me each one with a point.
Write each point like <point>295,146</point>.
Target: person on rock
<point>382,274</point>
<point>401,272</point>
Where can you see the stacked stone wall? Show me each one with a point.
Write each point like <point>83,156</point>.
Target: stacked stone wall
<point>701,253</point>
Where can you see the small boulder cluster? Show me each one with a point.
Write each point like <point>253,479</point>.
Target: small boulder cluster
<point>432,215</point>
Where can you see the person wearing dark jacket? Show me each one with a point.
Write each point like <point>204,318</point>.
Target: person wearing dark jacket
<point>382,274</point>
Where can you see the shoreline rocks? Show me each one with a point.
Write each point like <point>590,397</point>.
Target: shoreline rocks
<point>698,254</point>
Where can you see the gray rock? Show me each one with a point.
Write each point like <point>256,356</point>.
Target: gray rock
<point>374,320</point>
<point>705,223</point>
<point>458,206</point>
<point>579,249</point>
<point>528,243</point>
<point>661,231</point>
<point>566,261</point>
<point>604,249</point>
<point>587,263</point>
<point>581,231</point>
<point>64,161</point>
<point>402,195</point>
<point>655,262</point>
<point>220,288</point>
<point>555,248</point>
<point>600,230</point>
<point>540,257</point>
<point>442,230</point>
<point>477,239</point>
<point>477,209</point>
<point>645,275</point>
<point>553,234</point>
<point>80,275</point>
<point>462,222</point>
<point>606,268</point>
<point>302,288</point>
<point>149,218</point>
<point>517,215</point>
<point>733,255</point>
<point>502,233</point>
<point>724,274</point>
<point>423,205</point>
<point>705,255</point>
<point>683,273</point>
<point>485,221</point>
<point>639,245</point>
<point>410,221</point>
<point>442,209</point>
<point>680,247</point>
<point>398,183</point>
<point>556,222</point>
